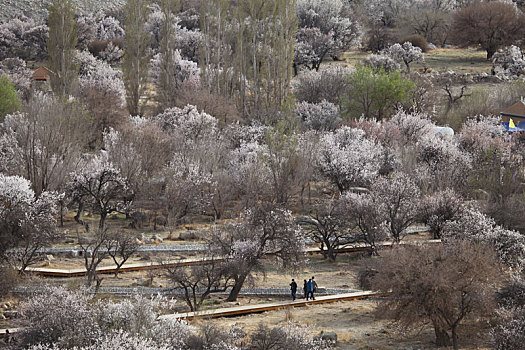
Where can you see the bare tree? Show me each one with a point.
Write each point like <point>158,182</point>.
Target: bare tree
<point>94,250</point>
<point>488,24</point>
<point>120,247</point>
<point>197,281</point>
<point>327,225</point>
<point>453,282</point>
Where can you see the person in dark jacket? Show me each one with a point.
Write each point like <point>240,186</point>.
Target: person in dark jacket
<point>305,289</point>
<point>293,288</point>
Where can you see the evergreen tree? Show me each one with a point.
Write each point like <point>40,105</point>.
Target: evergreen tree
<point>61,47</point>
<point>136,53</point>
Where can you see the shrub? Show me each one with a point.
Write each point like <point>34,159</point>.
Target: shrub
<point>418,41</point>
<point>375,93</point>
<point>9,100</point>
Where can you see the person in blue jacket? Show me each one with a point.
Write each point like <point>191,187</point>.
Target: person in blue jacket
<point>310,290</point>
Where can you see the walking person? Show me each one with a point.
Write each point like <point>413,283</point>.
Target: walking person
<point>293,288</point>
<point>310,290</point>
<point>305,290</point>
<point>314,284</point>
<point>7,336</point>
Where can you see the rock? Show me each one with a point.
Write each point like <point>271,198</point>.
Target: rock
<point>491,79</point>
<point>50,257</point>
<point>2,317</point>
<point>138,241</point>
<point>186,235</point>
<point>10,314</point>
<point>432,46</point>
<point>237,303</point>
<point>330,337</point>
<point>446,46</point>
<point>8,305</point>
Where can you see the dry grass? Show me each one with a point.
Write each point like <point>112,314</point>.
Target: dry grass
<point>459,60</point>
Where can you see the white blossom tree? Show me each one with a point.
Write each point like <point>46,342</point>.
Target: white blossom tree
<point>348,158</point>
<point>398,198</point>
<point>442,163</point>
<point>58,316</point>
<point>382,61</point>
<point>50,136</point>
<point>438,208</point>
<point>406,54</point>
<point>17,71</point>
<point>473,225</point>
<point>322,116</point>
<point>325,29</point>
<point>266,230</point>
<point>27,222</point>
<point>363,213</point>
<point>100,186</point>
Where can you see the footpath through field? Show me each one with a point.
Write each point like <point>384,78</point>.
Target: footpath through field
<point>52,272</point>
<point>250,309</point>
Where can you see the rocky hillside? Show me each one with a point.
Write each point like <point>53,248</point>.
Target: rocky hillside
<point>38,8</point>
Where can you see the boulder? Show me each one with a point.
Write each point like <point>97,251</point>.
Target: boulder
<point>186,235</point>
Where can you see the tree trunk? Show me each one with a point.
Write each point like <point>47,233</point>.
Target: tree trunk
<point>331,253</point>
<point>454,338</point>
<point>102,221</point>
<point>442,337</point>
<point>79,212</point>
<point>490,51</point>
<point>236,289</point>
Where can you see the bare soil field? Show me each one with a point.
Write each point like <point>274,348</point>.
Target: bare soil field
<point>357,327</point>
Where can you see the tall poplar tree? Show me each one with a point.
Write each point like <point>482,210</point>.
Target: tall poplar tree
<point>136,53</point>
<point>248,52</point>
<point>61,47</point>
<point>167,85</point>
